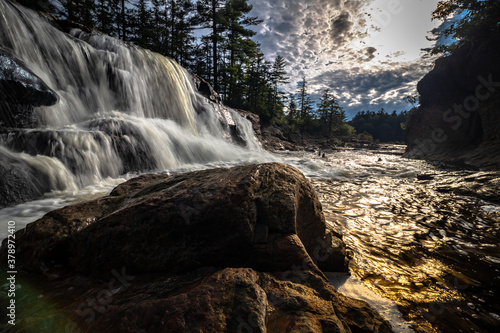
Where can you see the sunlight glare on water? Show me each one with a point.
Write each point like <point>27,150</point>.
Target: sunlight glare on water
<point>412,241</point>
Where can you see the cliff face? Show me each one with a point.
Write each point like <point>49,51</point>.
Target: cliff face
<point>458,120</point>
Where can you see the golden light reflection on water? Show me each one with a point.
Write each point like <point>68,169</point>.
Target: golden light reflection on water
<point>380,238</point>
<point>411,243</point>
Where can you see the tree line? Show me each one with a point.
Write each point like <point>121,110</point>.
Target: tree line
<point>381,125</point>
<point>212,38</point>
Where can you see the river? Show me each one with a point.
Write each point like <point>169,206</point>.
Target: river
<point>415,245</point>
<point>434,253</point>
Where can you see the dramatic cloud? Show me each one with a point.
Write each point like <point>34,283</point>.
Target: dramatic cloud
<point>370,52</point>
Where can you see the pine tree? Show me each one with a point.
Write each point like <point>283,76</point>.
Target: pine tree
<point>105,20</point>
<point>237,44</point>
<point>305,104</point>
<point>181,27</point>
<point>293,112</point>
<point>258,87</point>
<point>144,34</point>
<point>210,17</point>
<point>331,114</point>
<point>277,78</point>
<point>479,21</point>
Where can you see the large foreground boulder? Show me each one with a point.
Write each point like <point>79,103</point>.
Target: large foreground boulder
<point>244,216</point>
<point>223,250</point>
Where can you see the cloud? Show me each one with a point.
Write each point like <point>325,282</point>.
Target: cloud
<point>371,89</point>
<point>345,46</point>
<point>369,53</point>
<point>340,28</point>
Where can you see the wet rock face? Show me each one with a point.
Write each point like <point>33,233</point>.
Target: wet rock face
<point>205,89</point>
<point>249,216</point>
<point>223,250</point>
<point>458,120</point>
<point>19,181</point>
<point>19,88</point>
<point>242,300</point>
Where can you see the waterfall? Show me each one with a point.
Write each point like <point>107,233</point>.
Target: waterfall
<point>120,109</point>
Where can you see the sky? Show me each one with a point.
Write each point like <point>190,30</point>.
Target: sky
<point>369,53</point>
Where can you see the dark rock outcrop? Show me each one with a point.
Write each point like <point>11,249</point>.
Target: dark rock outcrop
<point>228,117</point>
<point>20,89</point>
<point>224,250</point>
<point>19,85</point>
<point>458,120</point>
<point>205,89</point>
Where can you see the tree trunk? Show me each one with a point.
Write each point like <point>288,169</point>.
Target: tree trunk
<point>214,43</point>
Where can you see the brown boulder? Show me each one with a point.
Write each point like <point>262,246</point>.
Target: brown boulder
<point>166,254</point>
<point>229,300</point>
<point>237,300</point>
<point>247,216</point>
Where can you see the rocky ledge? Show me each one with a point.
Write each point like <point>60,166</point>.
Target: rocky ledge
<point>457,121</point>
<point>223,250</point>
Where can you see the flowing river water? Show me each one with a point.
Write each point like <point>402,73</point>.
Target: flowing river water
<point>434,253</point>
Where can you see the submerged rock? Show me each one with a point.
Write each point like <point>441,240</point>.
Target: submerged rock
<point>19,181</point>
<point>223,250</point>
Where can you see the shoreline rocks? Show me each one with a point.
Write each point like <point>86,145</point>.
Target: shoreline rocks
<point>219,250</point>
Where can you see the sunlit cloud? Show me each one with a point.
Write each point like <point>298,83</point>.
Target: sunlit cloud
<point>370,53</point>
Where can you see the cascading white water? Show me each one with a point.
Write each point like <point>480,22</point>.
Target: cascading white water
<point>121,108</point>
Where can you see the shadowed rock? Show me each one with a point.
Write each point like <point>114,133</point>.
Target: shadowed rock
<point>19,181</point>
<point>20,91</point>
<point>19,85</point>
<point>457,121</point>
<point>244,216</point>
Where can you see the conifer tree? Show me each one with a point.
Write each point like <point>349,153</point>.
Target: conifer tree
<point>277,78</point>
<point>331,114</point>
<point>304,104</point>
<point>210,17</point>
<point>143,31</point>
<point>479,21</point>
